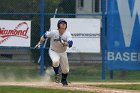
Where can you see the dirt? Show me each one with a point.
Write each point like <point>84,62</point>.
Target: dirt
<point>82,86</point>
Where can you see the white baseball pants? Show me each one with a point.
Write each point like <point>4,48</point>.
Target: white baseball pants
<point>59,58</point>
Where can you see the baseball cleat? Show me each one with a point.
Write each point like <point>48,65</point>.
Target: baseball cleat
<point>65,83</point>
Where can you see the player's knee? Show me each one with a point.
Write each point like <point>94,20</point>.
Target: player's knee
<point>55,63</point>
<point>65,71</point>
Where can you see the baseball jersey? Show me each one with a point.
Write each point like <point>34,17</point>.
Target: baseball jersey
<point>55,37</point>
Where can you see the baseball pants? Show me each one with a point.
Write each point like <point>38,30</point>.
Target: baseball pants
<point>59,59</point>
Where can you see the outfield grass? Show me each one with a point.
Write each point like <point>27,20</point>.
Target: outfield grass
<point>128,87</point>
<point>18,73</point>
<point>93,73</point>
<point>90,73</point>
<point>84,73</point>
<point>18,89</point>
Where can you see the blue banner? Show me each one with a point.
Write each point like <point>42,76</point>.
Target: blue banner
<point>123,34</point>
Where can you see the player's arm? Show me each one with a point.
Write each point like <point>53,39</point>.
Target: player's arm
<point>67,44</point>
<point>64,43</point>
<point>43,38</point>
<point>69,41</point>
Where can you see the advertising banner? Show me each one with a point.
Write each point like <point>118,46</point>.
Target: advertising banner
<point>15,33</point>
<point>85,34</point>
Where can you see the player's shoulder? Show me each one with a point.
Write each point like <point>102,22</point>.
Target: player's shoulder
<point>68,32</point>
<point>54,31</point>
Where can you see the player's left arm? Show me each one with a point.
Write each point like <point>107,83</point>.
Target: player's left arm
<point>69,41</point>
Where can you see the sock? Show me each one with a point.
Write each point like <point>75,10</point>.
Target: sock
<point>56,70</point>
<point>64,77</point>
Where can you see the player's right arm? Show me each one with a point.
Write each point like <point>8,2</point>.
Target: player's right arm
<point>48,34</point>
<point>43,38</point>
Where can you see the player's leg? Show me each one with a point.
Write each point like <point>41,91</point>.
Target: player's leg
<point>55,62</point>
<point>64,67</point>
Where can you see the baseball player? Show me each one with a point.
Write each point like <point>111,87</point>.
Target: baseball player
<point>59,41</point>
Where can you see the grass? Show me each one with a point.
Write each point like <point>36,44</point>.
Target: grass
<point>128,87</point>
<point>18,73</point>
<point>85,73</point>
<point>92,73</point>
<point>19,89</point>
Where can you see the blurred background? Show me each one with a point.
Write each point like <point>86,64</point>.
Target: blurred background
<point>21,63</point>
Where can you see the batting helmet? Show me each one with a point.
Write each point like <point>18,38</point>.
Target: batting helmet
<point>61,21</point>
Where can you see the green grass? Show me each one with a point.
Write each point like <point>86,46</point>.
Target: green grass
<point>90,73</point>
<point>18,89</point>
<point>84,73</point>
<point>93,73</point>
<point>18,73</point>
<point>128,87</point>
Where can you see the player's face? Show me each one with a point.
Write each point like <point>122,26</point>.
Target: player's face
<point>62,28</point>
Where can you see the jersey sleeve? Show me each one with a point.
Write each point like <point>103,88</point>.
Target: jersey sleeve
<point>69,37</point>
<point>69,40</point>
<point>48,34</point>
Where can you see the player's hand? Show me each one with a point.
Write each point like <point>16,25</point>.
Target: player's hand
<point>38,45</point>
<point>62,41</point>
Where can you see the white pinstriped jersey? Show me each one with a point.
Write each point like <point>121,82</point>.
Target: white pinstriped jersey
<point>55,43</point>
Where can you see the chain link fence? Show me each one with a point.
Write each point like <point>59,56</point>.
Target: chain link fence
<point>30,10</point>
<point>25,10</point>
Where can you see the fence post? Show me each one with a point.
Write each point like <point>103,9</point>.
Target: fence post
<point>41,33</point>
<point>111,74</point>
<point>103,41</point>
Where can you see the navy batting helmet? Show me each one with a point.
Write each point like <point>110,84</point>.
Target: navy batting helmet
<point>61,21</point>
